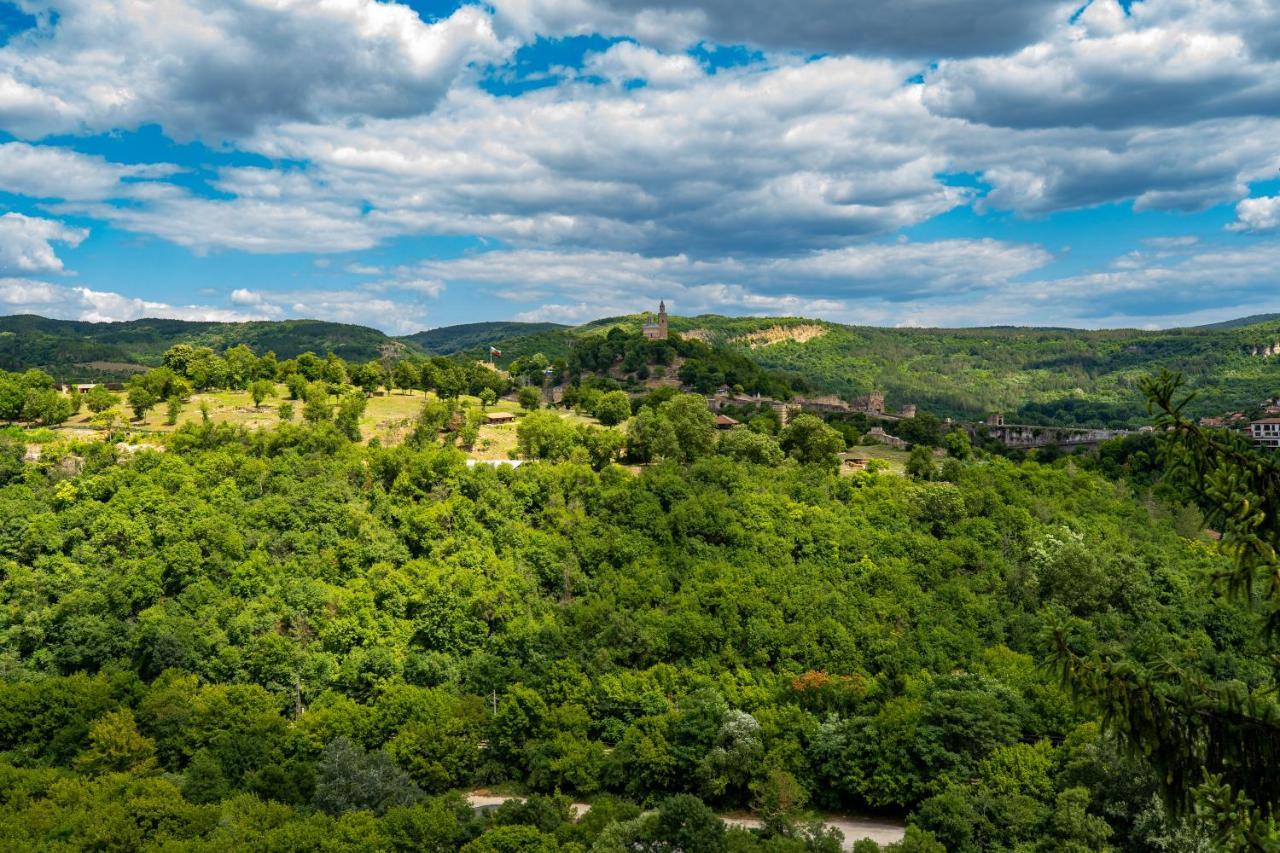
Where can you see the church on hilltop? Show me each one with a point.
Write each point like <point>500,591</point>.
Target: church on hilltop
<point>657,331</point>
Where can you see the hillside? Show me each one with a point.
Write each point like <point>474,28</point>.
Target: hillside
<point>448,340</point>
<point>73,350</point>
<point>1034,375</point>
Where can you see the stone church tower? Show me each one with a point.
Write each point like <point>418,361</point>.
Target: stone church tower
<point>657,331</point>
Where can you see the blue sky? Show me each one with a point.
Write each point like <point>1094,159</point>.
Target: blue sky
<point>415,165</point>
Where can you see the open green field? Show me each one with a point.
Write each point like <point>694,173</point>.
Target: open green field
<point>389,417</point>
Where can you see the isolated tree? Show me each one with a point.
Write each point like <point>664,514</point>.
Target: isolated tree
<point>142,400</point>
<point>488,397</point>
<point>260,390</point>
<point>242,366</point>
<point>405,376</point>
<point>369,376</point>
<point>173,408</point>
<point>335,371</point>
<point>297,385</point>
<point>530,397</point>
<point>613,408</point>
<point>99,399</point>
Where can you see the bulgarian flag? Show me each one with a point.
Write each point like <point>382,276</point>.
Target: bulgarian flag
<point>494,352</point>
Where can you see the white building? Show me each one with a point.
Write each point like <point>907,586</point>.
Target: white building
<point>1265,432</point>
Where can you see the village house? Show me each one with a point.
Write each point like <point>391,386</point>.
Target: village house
<point>725,422</point>
<point>499,417</point>
<point>1265,432</point>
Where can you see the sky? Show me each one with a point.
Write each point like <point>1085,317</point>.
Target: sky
<point>419,164</point>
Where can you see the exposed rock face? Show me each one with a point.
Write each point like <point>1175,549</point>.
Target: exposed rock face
<point>779,334</point>
<point>70,465</point>
<point>1265,350</point>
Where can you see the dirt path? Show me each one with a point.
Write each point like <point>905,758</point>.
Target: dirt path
<point>853,829</point>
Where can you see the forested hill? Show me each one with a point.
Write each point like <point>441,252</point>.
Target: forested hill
<point>72,350</point>
<point>1034,375</point>
<point>448,340</point>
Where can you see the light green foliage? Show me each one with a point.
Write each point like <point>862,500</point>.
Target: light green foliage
<point>545,435</point>
<point>529,397</point>
<point>115,746</point>
<point>684,430</point>
<point>317,407</point>
<point>958,444</point>
<point>261,389</point>
<point>47,407</point>
<point>747,445</point>
<point>405,375</point>
<point>809,441</point>
<point>99,399</point>
<point>613,408</point>
<point>317,639</point>
<point>141,400</point>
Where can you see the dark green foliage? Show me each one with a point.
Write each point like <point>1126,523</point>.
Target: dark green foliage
<point>350,778</point>
<point>476,336</point>
<point>1213,736</point>
<point>302,628</point>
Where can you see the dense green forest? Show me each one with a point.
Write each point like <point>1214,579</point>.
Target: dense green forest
<point>478,337</point>
<point>77,351</point>
<point>287,640</point>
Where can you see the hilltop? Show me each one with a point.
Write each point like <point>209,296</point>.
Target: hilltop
<point>448,340</point>
<point>1033,375</point>
<point>72,350</point>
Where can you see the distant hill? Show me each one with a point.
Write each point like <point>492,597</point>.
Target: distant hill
<point>1032,375</point>
<point>73,350</point>
<point>1239,322</point>
<point>448,340</point>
